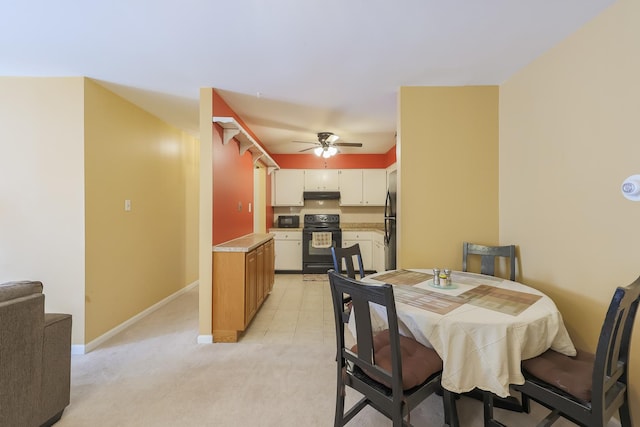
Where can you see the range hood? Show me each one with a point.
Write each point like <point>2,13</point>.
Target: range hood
<point>321,195</point>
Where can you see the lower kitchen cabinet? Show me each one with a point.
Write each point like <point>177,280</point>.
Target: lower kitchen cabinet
<point>243,276</point>
<point>288,250</point>
<point>363,238</point>
<point>378,251</point>
<point>269,267</point>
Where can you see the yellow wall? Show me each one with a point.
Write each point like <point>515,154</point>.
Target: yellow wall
<point>42,190</point>
<point>206,216</point>
<point>569,136</point>
<point>134,259</point>
<point>447,173</point>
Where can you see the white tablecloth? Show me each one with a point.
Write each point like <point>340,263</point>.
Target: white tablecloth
<point>481,347</point>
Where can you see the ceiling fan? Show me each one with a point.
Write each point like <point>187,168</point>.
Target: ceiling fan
<point>326,145</point>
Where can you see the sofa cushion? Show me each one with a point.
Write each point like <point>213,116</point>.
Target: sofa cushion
<point>12,290</point>
<point>418,362</point>
<point>573,375</point>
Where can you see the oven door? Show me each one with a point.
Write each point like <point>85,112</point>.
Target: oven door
<point>318,258</point>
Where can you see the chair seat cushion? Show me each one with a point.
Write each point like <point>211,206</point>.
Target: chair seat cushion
<point>572,375</point>
<point>418,362</point>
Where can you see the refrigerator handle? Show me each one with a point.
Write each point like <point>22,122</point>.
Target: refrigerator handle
<point>387,206</point>
<point>386,231</point>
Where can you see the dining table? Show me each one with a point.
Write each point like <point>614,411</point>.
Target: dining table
<point>482,326</point>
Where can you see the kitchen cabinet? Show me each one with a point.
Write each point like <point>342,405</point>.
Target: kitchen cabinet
<point>321,180</point>
<point>374,186</point>
<point>251,285</point>
<point>363,238</point>
<point>362,187</point>
<point>378,251</point>
<point>288,250</point>
<point>269,266</point>
<point>288,186</point>
<point>242,272</point>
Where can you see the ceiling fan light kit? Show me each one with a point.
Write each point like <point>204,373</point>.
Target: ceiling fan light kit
<point>325,152</point>
<point>326,145</point>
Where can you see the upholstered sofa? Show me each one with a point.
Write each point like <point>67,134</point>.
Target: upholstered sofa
<point>35,357</point>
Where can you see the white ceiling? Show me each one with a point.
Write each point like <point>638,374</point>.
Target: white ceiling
<point>289,68</point>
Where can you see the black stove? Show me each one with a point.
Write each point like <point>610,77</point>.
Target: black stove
<point>322,222</point>
<point>321,232</point>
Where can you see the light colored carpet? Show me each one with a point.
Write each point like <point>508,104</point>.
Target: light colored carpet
<point>155,374</point>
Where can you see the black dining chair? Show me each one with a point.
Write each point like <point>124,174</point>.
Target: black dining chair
<point>349,257</point>
<point>587,389</point>
<point>394,373</point>
<point>488,256</point>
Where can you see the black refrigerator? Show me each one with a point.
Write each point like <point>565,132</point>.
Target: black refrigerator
<point>390,207</point>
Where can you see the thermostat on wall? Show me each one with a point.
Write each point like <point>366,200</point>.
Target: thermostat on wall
<point>631,188</point>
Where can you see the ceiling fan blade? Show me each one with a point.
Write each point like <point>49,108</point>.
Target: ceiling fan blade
<point>307,149</point>
<point>347,144</point>
<point>307,142</point>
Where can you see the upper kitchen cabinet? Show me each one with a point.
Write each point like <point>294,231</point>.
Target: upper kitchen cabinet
<point>363,187</point>
<point>321,180</point>
<point>288,186</point>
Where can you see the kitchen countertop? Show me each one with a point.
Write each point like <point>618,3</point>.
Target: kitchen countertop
<point>345,226</point>
<point>362,226</point>
<point>243,244</point>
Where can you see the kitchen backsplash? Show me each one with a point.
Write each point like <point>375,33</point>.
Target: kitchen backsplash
<point>372,214</point>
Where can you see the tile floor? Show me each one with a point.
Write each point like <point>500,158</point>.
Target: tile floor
<point>296,311</point>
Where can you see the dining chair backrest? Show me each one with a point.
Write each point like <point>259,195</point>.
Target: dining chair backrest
<point>394,373</point>
<point>488,256</point>
<point>349,257</point>
<point>609,378</point>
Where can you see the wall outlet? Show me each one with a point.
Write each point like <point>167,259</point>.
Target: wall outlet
<point>127,205</point>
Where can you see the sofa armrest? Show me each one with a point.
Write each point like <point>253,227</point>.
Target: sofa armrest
<point>56,365</point>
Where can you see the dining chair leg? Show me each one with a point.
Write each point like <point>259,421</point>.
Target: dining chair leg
<point>625,415</point>
<point>340,394</point>
<point>450,409</point>
<point>525,402</point>
<point>487,399</point>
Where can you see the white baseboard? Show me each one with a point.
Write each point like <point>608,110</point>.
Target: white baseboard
<point>205,339</point>
<point>83,349</point>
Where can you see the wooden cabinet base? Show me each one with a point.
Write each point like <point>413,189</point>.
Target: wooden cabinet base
<point>241,281</point>
<point>226,336</point>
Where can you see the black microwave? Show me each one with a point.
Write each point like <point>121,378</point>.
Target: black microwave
<point>288,221</point>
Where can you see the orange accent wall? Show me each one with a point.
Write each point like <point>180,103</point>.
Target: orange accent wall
<point>340,161</point>
<point>232,185</point>
<point>391,156</point>
<point>222,109</point>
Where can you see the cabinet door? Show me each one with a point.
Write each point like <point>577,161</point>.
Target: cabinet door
<point>350,187</point>
<point>288,251</point>
<point>321,180</point>
<point>374,187</point>
<point>261,279</point>
<point>378,252</point>
<point>288,186</point>
<point>363,238</point>
<point>251,281</point>
<point>268,265</point>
